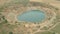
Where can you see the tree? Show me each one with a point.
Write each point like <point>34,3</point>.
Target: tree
<point>10,32</point>
<point>3,20</point>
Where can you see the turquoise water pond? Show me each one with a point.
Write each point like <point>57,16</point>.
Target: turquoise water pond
<point>32,16</point>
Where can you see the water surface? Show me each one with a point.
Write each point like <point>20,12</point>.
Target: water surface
<point>32,16</point>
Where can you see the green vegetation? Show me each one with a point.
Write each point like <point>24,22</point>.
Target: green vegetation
<point>3,19</point>
<point>7,29</point>
<point>23,2</point>
<point>10,32</point>
<point>46,5</point>
<point>45,32</point>
<point>56,28</point>
<point>45,28</point>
